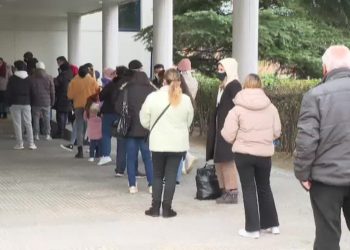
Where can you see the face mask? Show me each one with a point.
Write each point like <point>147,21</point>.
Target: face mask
<point>221,75</point>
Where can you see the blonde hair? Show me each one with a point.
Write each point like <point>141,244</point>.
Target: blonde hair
<point>252,81</point>
<point>336,56</point>
<point>173,79</point>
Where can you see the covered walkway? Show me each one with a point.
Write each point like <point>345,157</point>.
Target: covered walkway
<point>49,200</point>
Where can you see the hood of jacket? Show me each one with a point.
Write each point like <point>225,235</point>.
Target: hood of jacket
<point>231,68</point>
<point>21,74</point>
<point>252,99</point>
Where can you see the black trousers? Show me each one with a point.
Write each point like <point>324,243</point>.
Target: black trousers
<point>327,202</point>
<point>259,205</point>
<point>165,167</point>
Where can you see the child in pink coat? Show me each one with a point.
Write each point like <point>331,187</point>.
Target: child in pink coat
<point>94,129</point>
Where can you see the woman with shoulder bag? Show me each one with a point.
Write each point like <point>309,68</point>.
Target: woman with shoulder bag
<point>166,110</point>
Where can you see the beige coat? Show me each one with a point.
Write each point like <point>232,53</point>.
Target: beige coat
<point>252,124</point>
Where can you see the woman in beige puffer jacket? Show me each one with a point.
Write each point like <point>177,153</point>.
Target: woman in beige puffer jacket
<point>251,126</point>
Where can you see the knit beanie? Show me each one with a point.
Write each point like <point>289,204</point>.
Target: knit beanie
<point>40,65</point>
<point>184,65</point>
<point>135,64</point>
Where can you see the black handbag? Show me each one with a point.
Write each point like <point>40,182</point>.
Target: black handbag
<point>121,127</point>
<point>207,183</point>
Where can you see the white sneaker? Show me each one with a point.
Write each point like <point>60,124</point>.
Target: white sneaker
<point>271,230</point>
<point>32,147</point>
<point>48,138</point>
<point>253,235</point>
<point>133,190</point>
<point>150,190</point>
<point>104,160</point>
<point>91,159</point>
<point>119,175</point>
<point>18,147</point>
<point>36,137</point>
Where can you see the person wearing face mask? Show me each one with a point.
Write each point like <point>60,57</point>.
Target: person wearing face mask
<point>217,148</point>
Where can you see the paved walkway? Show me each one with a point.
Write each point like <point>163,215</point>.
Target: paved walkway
<point>51,201</point>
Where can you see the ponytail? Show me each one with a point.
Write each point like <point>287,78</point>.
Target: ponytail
<point>172,78</point>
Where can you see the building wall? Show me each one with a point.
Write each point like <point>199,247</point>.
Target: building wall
<point>47,39</point>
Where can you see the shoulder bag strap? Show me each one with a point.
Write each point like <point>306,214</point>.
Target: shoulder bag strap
<point>160,116</point>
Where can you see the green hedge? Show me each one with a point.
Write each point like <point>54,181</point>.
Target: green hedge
<point>285,94</point>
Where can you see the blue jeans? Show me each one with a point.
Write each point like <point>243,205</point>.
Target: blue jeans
<point>107,122</point>
<point>95,148</point>
<point>132,148</point>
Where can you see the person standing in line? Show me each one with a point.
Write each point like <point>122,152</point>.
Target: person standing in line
<point>109,116</point>
<point>252,126</point>
<point>63,105</point>
<point>136,91</point>
<point>5,73</point>
<point>43,98</point>
<point>80,88</point>
<point>217,148</point>
<point>18,97</point>
<point>166,110</point>
<point>31,62</point>
<point>94,127</point>
<point>322,154</point>
<point>157,80</point>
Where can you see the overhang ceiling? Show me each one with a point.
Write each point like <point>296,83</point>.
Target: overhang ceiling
<point>48,8</point>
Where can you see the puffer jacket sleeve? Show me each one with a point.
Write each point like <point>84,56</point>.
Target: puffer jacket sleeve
<point>230,129</point>
<point>308,136</point>
<point>145,113</point>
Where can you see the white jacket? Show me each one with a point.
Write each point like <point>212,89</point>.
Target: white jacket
<point>171,133</point>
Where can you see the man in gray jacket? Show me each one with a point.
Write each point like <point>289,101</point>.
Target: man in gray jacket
<point>322,157</point>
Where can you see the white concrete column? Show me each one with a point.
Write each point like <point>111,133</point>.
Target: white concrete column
<point>74,21</point>
<point>110,31</point>
<point>246,36</point>
<point>163,32</point>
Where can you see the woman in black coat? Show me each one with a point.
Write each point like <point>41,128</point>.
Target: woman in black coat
<point>217,148</point>
<point>62,105</point>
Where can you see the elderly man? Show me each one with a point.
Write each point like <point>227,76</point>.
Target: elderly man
<point>322,160</point>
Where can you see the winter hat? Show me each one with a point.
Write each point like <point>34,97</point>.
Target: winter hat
<point>40,65</point>
<point>184,65</point>
<point>135,64</point>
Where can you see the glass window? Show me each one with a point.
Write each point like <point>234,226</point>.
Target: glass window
<point>130,16</point>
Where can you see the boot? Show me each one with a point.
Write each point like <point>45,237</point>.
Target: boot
<point>80,152</point>
<point>229,197</point>
<point>154,209</point>
<point>168,212</point>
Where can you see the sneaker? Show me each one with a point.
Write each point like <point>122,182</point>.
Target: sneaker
<point>119,174</point>
<point>18,147</point>
<point>104,160</point>
<point>36,137</point>
<point>48,138</point>
<point>271,230</point>
<point>91,159</point>
<point>133,190</point>
<point>253,235</point>
<point>68,147</point>
<point>140,175</point>
<point>150,190</point>
<point>32,147</point>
